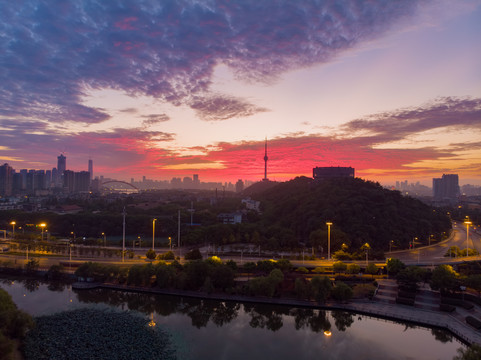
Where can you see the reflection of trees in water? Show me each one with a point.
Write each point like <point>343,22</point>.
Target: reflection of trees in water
<point>200,311</point>
<point>301,317</point>
<point>225,313</point>
<point>342,319</point>
<point>56,286</point>
<point>442,335</point>
<point>316,320</point>
<point>319,321</point>
<point>266,316</point>
<point>31,285</point>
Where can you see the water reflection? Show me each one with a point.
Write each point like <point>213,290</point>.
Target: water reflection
<point>205,323</point>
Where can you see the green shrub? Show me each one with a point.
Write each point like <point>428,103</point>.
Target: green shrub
<point>341,292</point>
<point>150,254</point>
<point>353,269</point>
<point>302,270</point>
<point>193,254</point>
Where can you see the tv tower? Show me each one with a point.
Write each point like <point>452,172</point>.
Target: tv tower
<point>265,164</point>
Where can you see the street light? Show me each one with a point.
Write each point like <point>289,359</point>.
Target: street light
<point>105,239</point>
<point>329,240</point>
<point>366,247</point>
<point>13,230</point>
<point>390,245</point>
<point>153,233</point>
<point>467,223</point>
<point>170,243</point>
<point>42,225</point>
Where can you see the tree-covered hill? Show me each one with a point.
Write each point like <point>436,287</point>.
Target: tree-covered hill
<point>361,211</point>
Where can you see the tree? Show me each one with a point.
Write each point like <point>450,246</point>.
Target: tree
<point>150,254</point>
<point>193,254</point>
<point>444,279</point>
<point>353,269</point>
<point>222,276</point>
<point>474,282</point>
<point>321,287</point>
<point>409,277</point>
<point>471,353</point>
<point>301,288</point>
<point>169,255</point>
<point>341,292</point>
<point>164,275</point>
<point>341,255</point>
<point>453,251</point>
<point>372,269</point>
<point>339,267</point>
<point>266,285</point>
<point>394,266</point>
<point>13,324</point>
<point>302,270</point>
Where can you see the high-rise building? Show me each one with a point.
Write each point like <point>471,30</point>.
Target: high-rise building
<point>91,169</point>
<point>82,181</point>
<point>69,181</point>
<point>6,180</point>
<point>61,167</point>
<point>239,186</point>
<point>446,188</point>
<point>196,181</point>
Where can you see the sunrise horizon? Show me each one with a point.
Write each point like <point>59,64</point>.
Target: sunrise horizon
<point>390,89</point>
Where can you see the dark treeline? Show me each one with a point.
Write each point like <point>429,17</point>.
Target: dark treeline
<point>293,216</point>
<point>361,211</point>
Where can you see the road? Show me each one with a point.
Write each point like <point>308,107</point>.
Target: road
<point>434,254</point>
<point>426,255</point>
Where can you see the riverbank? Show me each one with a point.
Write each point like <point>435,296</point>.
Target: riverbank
<point>453,322</point>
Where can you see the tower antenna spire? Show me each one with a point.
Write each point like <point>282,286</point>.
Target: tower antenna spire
<point>265,163</point>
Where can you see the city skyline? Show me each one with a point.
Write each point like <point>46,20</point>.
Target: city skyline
<point>392,89</point>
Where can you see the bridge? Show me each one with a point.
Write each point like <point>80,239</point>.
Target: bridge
<point>119,186</point>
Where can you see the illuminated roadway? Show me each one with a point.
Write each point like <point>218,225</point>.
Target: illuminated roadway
<point>434,254</point>
<point>426,255</point>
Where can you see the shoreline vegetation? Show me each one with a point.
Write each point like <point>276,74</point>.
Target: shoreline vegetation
<point>265,282</point>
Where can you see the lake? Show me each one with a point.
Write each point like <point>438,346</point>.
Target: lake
<point>206,329</point>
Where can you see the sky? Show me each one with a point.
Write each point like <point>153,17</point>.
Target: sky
<point>164,89</point>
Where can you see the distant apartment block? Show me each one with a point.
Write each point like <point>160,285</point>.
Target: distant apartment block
<point>446,188</point>
<point>6,180</point>
<point>330,172</point>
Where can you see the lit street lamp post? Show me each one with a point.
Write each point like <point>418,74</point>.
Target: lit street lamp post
<point>366,247</point>
<point>105,240</point>
<point>13,228</point>
<point>153,233</point>
<point>42,225</point>
<point>329,240</point>
<point>170,243</point>
<point>467,223</point>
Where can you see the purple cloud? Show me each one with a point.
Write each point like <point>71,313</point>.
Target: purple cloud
<point>399,124</point>
<point>153,119</point>
<point>221,107</point>
<point>52,51</point>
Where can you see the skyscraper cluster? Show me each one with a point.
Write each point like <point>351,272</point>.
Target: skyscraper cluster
<point>446,188</point>
<point>41,182</point>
